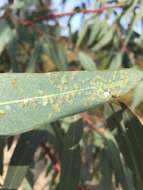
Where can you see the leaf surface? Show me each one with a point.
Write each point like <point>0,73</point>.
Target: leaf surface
<point>30,100</point>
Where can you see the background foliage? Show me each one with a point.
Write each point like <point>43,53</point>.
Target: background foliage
<point>97,149</point>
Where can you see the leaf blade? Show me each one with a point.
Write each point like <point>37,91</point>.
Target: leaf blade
<point>30,100</point>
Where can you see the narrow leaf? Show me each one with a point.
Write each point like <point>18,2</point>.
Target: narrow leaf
<point>138,96</point>
<point>6,35</point>
<point>70,160</point>
<point>87,62</point>
<point>103,41</point>
<point>22,158</point>
<point>34,57</point>
<point>116,61</point>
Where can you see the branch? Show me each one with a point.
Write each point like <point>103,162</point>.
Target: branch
<point>124,48</point>
<point>87,118</point>
<point>60,15</point>
<point>55,162</point>
<point>82,188</point>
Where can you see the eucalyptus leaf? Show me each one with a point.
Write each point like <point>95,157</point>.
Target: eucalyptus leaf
<point>138,96</point>
<point>34,57</point>
<point>22,158</point>
<point>27,101</point>
<point>70,159</point>
<point>95,31</point>
<point>6,34</point>
<point>116,61</point>
<point>103,41</point>
<point>86,61</point>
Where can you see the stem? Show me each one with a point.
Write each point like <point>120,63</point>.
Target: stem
<point>56,164</point>
<point>87,118</point>
<point>59,15</point>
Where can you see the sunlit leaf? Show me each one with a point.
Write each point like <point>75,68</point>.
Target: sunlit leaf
<point>103,41</point>
<point>87,62</point>
<point>138,96</point>
<point>116,62</point>
<point>29,100</point>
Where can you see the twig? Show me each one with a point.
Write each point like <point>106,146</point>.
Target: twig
<point>56,163</point>
<point>87,118</point>
<point>124,48</point>
<point>81,188</point>
<point>102,9</point>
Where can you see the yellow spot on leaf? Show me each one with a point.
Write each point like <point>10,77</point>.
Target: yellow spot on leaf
<point>13,83</point>
<point>2,113</point>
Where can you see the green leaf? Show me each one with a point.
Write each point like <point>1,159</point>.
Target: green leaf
<point>27,101</point>
<point>6,34</point>
<point>129,137</point>
<point>83,36</point>
<point>116,62</point>
<point>12,50</point>
<point>87,62</point>
<point>103,41</point>
<point>138,96</point>
<point>26,184</point>
<point>22,158</point>
<point>34,57</point>
<point>56,53</point>
<point>106,171</point>
<point>133,143</point>
<point>113,154</point>
<point>2,146</point>
<point>23,4</point>
<point>70,160</point>
<point>95,30</point>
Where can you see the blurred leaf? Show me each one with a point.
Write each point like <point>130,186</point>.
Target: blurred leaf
<point>116,62</point>
<point>26,184</point>
<point>70,160</point>
<point>2,145</point>
<point>35,57</point>
<point>106,171</point>
<point>30,100</point>
<point>113,154</point>
<point>56,53</point>
<point>129,138</point>
<point>6,34</point>
<point>135,18</point>
<point>23,4</point>
<point>138,96</point>
<point>62,58</point>
<point>95,30</point>
<point>87,62</point>
<point>133,131</point>
<point>83,36</point>
<point>10,140</point>
<point>22,158</point>
<point>103,41</point>
<point>12,50</point>
<point>98,140</point>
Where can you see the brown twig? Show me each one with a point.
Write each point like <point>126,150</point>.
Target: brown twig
<point>56,163</point>
<point>102,9</point>
<point>82,188</point>
<point>87,118</point>
<point>124,48</point>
